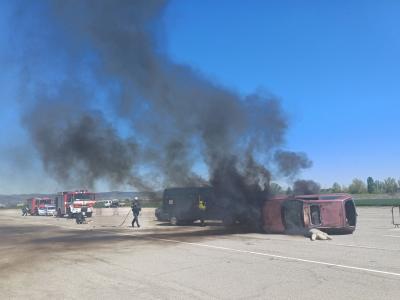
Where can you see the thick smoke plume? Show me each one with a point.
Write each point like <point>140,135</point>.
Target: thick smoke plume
<point>306,187</point>
<point>173,117</point>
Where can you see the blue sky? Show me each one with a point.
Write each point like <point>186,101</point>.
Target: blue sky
<point>334,64</point>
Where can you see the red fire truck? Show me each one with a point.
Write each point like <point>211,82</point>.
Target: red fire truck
<point>71,203</point>
<point>34,204</point>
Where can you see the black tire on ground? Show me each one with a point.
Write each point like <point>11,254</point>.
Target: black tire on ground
<point>228,220</point>
<point>89,214</point>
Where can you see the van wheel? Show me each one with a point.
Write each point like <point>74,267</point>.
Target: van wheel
<point>89,214</point>
<point>173,221</point>
<point>228,220</point>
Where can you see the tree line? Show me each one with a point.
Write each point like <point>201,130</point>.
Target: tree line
<point>387,186</point>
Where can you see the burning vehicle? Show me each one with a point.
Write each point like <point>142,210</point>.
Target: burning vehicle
<point>180,205</point>
<point>72,203</point>
<point>37,206</point>
<point>331,213</point>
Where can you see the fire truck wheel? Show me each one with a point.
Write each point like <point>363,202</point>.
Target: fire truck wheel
<point>173,221</point>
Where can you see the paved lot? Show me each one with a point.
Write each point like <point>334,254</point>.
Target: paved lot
<point>46,257</point>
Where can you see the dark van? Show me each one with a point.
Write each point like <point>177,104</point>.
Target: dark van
<point>181,205</point>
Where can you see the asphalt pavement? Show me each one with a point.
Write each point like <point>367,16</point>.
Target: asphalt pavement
<point>48,257</point>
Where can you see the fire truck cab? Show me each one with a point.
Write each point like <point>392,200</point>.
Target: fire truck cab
<point>71,203</point>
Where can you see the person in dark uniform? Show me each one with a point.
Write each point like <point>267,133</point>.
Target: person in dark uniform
<point>24,211</point>
<point>136,210</point>
<point>80,218</point>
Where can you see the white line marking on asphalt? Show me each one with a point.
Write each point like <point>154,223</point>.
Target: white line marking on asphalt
<point>280,257</point>
<point>363,247</point>
<point>395,236</point>
<point>325,243</point>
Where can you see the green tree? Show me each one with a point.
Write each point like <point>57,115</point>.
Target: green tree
<point>275,188</point>
<point>379,186</point>
<point>357,187</point>
<point>289,191</point>
<point>390,185</point>
<point>336,188</point>
<point>370,185</point>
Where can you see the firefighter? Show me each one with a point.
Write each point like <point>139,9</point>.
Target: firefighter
<point>24,211</point>
<point>135,210</point>
<point>202,209</point>
<point>80,218</point>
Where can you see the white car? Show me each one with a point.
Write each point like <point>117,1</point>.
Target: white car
<point>42,211</point>
<point>51,210</point>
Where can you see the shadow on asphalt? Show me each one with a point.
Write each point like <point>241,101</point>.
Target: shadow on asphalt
<point>52,236</point>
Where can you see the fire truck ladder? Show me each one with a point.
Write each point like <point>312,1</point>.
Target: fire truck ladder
<point>396,216</point>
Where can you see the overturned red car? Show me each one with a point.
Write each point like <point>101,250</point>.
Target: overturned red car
<point>332,213</point>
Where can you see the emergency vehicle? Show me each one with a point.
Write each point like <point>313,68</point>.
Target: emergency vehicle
<point>34,204</point>
<point>69,204</point>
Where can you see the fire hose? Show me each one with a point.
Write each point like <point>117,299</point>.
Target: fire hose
<point>124,219</point>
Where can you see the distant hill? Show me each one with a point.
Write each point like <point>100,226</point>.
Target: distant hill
<point>13,200</point>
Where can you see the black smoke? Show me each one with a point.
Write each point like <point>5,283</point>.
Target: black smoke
<point>174,117</point>
<point>306,187</point>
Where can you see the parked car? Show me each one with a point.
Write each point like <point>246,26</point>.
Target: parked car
<point>51,210</point>
<point>42,211</point>
<point>47,210</point>
<point>107,203</point>
<point>114,203</point>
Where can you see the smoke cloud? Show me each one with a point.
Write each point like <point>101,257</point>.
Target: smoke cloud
<point>116,72</point>
<point>306,187</point>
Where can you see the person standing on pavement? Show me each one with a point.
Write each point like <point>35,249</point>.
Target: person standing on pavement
<point>202,209</point>
<point>135,210</point>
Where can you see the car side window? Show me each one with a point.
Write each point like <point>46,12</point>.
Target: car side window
<point>315,215</point>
